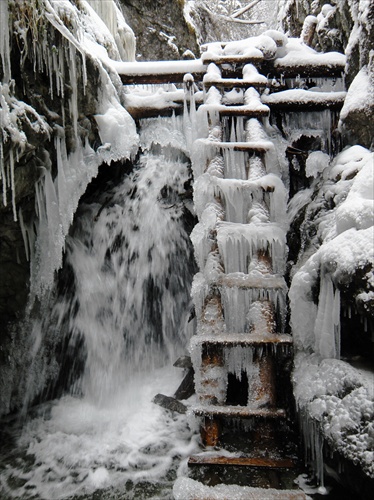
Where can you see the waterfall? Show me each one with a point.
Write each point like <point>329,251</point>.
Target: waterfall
<point>121,307</point>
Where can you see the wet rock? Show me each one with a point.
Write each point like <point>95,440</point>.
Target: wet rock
<point>183,362</point>
<point>161,30</point>
<point>169,403</point>
<point>187,386</point>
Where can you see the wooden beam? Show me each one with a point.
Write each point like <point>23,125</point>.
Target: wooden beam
<point>257,462</point>
<point>242,339</point>
<point>140,112</point>
<point>278,68</point>
<point>238,412</point>
<point>239,83</point>
<point>232,59</point>
<point>156,79</point>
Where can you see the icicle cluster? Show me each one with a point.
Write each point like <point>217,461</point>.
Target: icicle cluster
<point>57,38</point>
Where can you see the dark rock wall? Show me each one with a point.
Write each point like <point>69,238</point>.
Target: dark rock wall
<point>161,30</point>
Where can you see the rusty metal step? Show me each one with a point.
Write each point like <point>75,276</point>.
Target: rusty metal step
<point>256,462</point>
<point>213,411</point>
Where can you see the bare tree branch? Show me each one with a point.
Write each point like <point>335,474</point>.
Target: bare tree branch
<point>245,9</point>
<point>242,21</point>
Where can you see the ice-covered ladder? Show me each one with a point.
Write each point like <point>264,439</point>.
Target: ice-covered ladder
<point>240,298</point>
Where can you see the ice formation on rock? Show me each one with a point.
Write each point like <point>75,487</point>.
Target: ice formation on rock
<point>80,36</point>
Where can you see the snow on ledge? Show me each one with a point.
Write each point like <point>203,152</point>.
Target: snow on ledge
<point>159,67</point>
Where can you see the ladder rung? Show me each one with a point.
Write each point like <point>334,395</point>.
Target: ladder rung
<point>238,412</point>
<point>231,59</point>
<point>242,339</point>
<point>257,462</point>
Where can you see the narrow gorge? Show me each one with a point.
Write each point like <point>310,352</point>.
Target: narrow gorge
<point>172,196</point>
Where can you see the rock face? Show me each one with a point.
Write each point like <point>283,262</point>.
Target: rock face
<point>344,27</point>
<point>161,31</point>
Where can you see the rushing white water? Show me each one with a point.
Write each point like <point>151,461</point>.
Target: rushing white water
<point>124,313</point>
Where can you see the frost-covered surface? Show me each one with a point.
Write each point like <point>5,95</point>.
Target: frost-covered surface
<point>188,489</point>
<point>339,399</point>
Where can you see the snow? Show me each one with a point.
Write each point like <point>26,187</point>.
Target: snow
<point>189,489</point>
<point>338,404</point>
<point>159,67</point>
<point>301,96</point>
<point>299,54</point>
<point>360,95</point>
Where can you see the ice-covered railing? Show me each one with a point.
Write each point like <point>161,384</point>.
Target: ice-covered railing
<point>58,40</point>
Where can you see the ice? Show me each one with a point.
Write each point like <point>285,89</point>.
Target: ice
<point>118,28</point>
<point>239,243</point>
<point>240,359</point>
<point>235,164</point>
<point>202,235</point>
<point>327,325</point>
<point>311,124</point>
<point>239,197</point>
<point>237,301</point>
<point>4,41</point>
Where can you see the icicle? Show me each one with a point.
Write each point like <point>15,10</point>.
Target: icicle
<point>73,101</point>
<point>239,359</point>
<point>2,173</point>
<point>24,234</point>
<point>12,184</point>
<point>4,40</point>
<point>327,326</point>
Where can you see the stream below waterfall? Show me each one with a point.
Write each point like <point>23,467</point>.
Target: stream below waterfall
<point>124,315</point>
